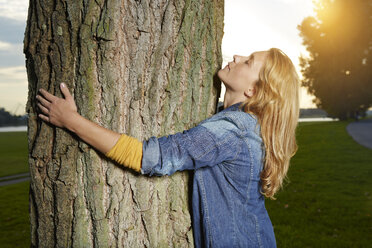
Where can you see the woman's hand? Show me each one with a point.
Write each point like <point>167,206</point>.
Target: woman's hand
<point>55,110</point>
<point>63,113</point>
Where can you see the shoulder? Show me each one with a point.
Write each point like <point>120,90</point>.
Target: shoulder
<point>238,120</point>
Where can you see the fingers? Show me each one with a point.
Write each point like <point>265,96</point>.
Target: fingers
<point>47,95</point>
<point>43,117</point>
<point>43,109</point>
<point>43,101</point>
<point>52,108</point>
<point>65,91</point>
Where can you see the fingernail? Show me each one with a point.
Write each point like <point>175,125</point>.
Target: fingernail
<point>62,85</point>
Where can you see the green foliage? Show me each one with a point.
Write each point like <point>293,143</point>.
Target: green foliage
<point>337,70</point>
<point>328,199</point>
<point>7,119</point>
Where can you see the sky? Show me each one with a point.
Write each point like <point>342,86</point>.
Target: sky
<point>249,25</point>
<point>257,25</point>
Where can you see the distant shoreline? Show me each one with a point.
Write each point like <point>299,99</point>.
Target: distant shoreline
<point>24,128</point>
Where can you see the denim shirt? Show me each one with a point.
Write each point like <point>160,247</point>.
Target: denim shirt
<point>226,153</point>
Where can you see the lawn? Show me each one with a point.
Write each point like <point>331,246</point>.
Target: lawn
<point>13,153</point>
<point>14,217</point>
<point>328,199</point>
<point>326,203</point>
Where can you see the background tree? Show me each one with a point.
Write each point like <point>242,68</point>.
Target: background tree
<point>8,119</point>
<point>338,68</point>
<point>138,67</point>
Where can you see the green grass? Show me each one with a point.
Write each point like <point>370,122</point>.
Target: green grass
<point>328,201</point>
<point>14,217</point>
<point>13,153</point>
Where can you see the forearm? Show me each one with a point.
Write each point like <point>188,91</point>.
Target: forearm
<point>99,137</point>
<point>63,113</point>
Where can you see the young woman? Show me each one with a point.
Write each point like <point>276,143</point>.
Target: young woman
<point>239,156</point>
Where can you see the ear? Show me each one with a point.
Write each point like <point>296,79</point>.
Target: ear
<point>249,92</point>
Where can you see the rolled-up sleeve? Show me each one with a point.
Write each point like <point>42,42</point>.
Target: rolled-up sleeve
<point>207,144</point>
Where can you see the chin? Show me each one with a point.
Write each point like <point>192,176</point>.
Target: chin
<point>220,75</point>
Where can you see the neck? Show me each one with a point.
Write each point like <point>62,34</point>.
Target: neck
<point>231,98</point>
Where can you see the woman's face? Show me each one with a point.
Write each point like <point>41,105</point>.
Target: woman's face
<point>241,74</point>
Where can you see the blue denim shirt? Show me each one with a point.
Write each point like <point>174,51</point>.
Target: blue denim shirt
<point>226,153</point>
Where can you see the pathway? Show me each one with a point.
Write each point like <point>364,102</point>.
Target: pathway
<point>361,132</point>
<point>14,179</point>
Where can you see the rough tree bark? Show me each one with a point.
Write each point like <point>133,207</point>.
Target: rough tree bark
<point>145,68</point>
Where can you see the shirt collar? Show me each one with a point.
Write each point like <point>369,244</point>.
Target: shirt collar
<point>234,107</point>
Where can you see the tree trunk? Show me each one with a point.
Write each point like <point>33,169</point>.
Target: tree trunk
<point>144,68</point>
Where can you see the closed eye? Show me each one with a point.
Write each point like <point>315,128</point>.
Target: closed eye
<point>249,60</point>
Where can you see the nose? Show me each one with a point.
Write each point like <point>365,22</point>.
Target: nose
<point>236,58</point>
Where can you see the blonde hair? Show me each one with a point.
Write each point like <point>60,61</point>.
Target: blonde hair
<point>276,105</point>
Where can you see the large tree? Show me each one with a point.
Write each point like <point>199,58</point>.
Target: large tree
<point>144,68</point>
<point>338,68</point>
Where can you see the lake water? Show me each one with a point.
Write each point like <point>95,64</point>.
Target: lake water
<point>24,128</point>
<point>13,129</point>
<point>317,119</point>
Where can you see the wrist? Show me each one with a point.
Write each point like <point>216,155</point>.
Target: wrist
<point>74,122</point>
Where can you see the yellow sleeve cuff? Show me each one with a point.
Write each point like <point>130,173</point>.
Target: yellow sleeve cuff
<point>128,152</point>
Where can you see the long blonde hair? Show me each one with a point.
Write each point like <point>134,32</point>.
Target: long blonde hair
<point>276,105</point>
